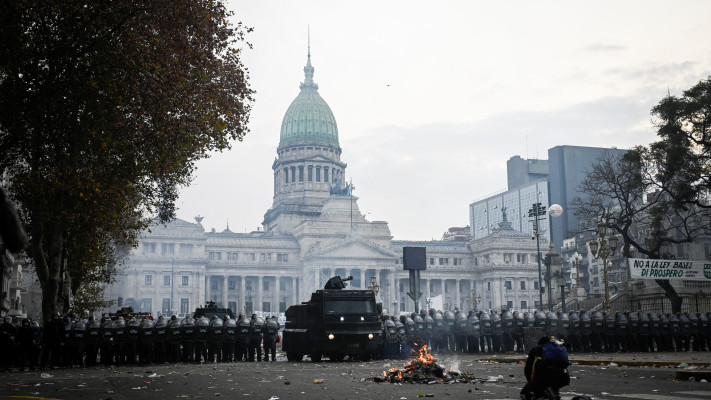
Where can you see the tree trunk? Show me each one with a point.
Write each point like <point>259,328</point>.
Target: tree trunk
<point>48,269</point>
<point>671,294</point>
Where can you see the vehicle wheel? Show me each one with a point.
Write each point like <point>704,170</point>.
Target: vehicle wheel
<point>336,357</point>
<point>316,357</point>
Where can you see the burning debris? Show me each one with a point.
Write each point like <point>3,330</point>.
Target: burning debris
<point>423,368</point>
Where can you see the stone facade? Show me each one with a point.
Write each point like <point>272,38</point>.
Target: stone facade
<point>315,230</point>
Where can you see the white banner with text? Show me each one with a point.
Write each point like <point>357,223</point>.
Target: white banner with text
<point>643,268</point>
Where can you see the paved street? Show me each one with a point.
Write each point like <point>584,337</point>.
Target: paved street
<point>591,374</point>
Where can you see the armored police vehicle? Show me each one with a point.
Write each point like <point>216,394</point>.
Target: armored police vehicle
<point>335,323</point>
<point>211,310</point>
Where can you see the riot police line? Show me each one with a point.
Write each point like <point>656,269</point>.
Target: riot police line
<point>507,332</point>
<point>117,341</point>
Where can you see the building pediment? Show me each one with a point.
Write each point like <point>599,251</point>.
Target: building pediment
<point>353,248</point>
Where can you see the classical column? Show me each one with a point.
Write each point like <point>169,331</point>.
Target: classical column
<point>208,279</point>
<point>224,290</point>
<point>393,291</point>
<point>458,287</point>
<point>277,293</point>
<point>242,295</point>
<point>258,304</point>
<point>360,279</point>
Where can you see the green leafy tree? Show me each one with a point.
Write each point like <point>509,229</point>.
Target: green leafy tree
<point>657,196</point>
<point>105,107</point>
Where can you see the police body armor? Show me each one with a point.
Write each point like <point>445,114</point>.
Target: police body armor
<point>574,323</point>
<point>655,323</point>
<point>586,323</point>
<point>390,331</point>
<point>449,322</point>
<point>540,319</point>
<point>518,322</point>
<point>473,325</point>
<point>68,331</point>
<point>621,323</point>
<point>563,324</point>
<point>255,329</point>
<point>693,323</point>
<point>419,326</point>
<point>36,331</point>
<point>508,321</point>
<point>400,328</point>
<point>216,330</point>
<point>243,330</point>
<point>173,331</point>
<point>93,332</point>
<point>231,331</point>
<point>132,328</point>
<point>529,319</point>
<point>487,325</point>
<point>497,323</point>
<point>79,332</point>
<point>460,324</point>
<point>146,330</point>
<point>187,329</point>
<point>552,324</point>
<point>161,330</point>
<point>598,322</point>
<point>271,330</point>
<point>119,330</point>
<point>202,328</point>
<point>665,324</point>
<point>644,326</point>
<point>410,329</point>
<point>107,331</point>
<point>439,325</point>
<point>674,324</point>
<point>429,327</point>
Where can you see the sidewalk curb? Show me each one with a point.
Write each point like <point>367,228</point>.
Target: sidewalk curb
<point>630,363</point>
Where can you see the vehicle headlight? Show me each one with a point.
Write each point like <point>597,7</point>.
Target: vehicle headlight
<point>331,336</point>
<point>370,336</point>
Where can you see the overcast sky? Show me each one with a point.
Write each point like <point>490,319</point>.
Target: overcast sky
<point>433,97</point>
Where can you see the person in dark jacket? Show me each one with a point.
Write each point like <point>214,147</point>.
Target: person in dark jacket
<point>544,374</point>
<point>53,338</point>
<point>28,345</point>
<point>8,335</point>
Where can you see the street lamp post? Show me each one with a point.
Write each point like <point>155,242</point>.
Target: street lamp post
<point>561,283</point>
<point>374,285</point>
<point>536,211</point>
<point>602,249</point>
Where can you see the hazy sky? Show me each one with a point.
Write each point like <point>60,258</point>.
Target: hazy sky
<point>433,97</point>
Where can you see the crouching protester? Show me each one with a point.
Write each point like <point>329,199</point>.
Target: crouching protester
<point>546,369</point>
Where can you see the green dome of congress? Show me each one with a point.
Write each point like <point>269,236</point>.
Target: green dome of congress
<point>309,120</point>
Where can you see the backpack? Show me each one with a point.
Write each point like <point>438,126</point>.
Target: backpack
<point>555,353</point>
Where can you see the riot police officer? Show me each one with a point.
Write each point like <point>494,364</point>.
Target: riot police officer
<point>78,339</point>
<point>401,336</point>
<point>574,331</point>
<point>410,336</point>
<point>486,342</point>
<point>173,340</point>
<point>498,331</point>
<point>391,344</point>
<point>131,342</point>
<point>118,326</point>
<point>106,342</point>
<point>655,332</point>
<point>271,337</point>
<point>507,330</point>
<point>644,330</point>
<point>667,338</point>
<point>632,335</point>
<point>621,323</point>
<point>187,338</point>
<point>202,328</point>
<point>439,338</point>
<point>473,332</point>
<point>160,340</point>
<point>608,331</point>
<point>242,338</point>
<point>230,338</point>
<point>255,338</point>
<point>586,331</point>
<point>419,332</point>
<point>28,343</point>
<point>146,338</point>
<point>598,331</point>
<point>448,341</point>
<point>460,332</point>
<point>93,338</point>
<point>8,334</point>
<point>68,348</point>
<point>519,323</point>
<point>214,351</point>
